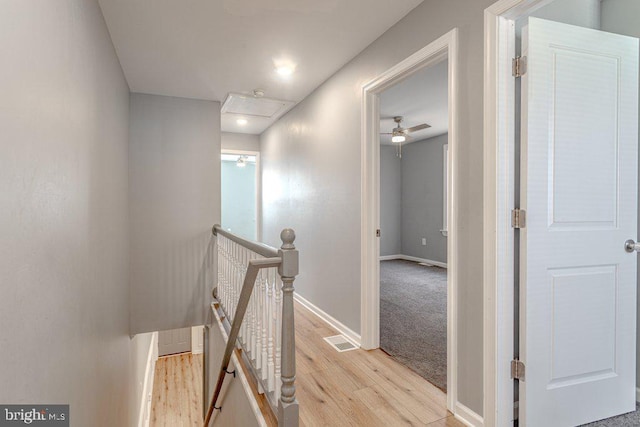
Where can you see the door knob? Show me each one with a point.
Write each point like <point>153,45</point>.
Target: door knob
<point>631,246</point>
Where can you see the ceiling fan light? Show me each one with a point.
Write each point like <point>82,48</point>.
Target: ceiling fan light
<point>398,138</point>
<point>242,161</point>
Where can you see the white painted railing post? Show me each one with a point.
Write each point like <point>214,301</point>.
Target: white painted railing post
<point>288,270</point>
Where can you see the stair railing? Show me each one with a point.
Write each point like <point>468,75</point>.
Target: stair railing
<point>255,293</point>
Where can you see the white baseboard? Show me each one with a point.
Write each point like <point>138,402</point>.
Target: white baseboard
<point>147,388</point>
<point>467,416</point>
<point>330,320</point>
<point>413,258</point>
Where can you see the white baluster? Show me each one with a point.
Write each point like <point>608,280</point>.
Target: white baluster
<point>241,253</point>
<point>252,336</point>
<point>278,333</point>
<point>259,322</point>
<point>265,325</point>
<point>227,281</point>
<point>270,331</point>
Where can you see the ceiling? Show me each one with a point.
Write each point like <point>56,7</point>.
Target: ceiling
<point>422,98</point>
<point>205,49</point>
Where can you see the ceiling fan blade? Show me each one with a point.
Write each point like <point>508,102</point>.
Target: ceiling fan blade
<point>417,128</point>
<point>386,133</point>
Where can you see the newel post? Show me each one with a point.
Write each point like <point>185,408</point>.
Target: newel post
<point>288,270</point>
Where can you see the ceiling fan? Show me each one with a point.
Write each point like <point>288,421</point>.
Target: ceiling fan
<point>400,134</point>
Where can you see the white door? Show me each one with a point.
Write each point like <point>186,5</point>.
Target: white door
<point>579,190</point>
<point>174,341</point>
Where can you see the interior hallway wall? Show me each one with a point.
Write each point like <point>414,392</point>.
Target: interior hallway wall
<point>240,141</point>
<point>312,177</point>
<point>174,200</point>
<point>584,13</point>
<point>64,294</point>
<point>390,201</point>
<point>622,17</point>
<point>423,198</point>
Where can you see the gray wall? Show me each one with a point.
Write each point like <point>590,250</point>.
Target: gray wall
<point>584,13</point>
<point>390,201</point>
<point>623,17</point>
<point>311,176</point>
<point>174,200</point>
<point>240,141</point>
<point>422,199</point>
<point>64,295</point>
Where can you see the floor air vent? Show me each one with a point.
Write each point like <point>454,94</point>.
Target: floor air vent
<point>340,343</point>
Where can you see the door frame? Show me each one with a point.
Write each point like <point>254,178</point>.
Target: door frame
<point>258,187</point>
<point>498,195</point>
<point>444,48</point>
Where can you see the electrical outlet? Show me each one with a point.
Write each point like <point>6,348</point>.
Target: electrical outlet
<point>424,241</point>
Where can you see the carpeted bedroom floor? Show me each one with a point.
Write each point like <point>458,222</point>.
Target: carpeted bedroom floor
<point>413,317</point>
<point>413,324</point>
<point>626,420</point>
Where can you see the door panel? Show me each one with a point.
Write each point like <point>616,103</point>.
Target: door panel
<point>579,188</point>
<point>174,341</point>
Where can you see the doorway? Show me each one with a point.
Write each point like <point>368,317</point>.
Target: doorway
<point>178,377</point>
<point>240,180</point>
<point>443,50</point>
<point>414,127</point>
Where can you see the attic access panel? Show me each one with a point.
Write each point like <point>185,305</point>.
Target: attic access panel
<point>248,105</point>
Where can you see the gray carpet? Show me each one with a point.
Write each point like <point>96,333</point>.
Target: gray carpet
<point>630,419</point>
<point>413,317</point>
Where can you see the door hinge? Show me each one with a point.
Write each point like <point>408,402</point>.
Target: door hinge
<point>378,232</point>
<point>518,218</point>
<point>519,66</point>
<point>517,370</point>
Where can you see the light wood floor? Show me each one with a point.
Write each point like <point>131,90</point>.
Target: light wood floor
<point>177,391</point>
<point>353,388</point>
<point>358,387</point>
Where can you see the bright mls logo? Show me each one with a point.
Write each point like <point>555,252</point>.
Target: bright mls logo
<point>36,415</point>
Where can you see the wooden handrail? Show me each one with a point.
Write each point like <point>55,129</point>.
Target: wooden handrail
<point>257,247</point>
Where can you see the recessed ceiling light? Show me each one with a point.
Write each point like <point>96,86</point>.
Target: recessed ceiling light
<point>284,70</point>
<point>242,122</point>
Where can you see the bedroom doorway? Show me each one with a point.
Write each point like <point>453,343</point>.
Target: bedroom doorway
<point>408,234</point>
<point>414,127</point>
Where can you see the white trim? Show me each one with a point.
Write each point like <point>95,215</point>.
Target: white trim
<point>144,414</point>
<point>349,334</point>
<point>414,259</point>
<point>197,339</point>
<point>498,190</point>
<point>258,187</point>
<point>445,188</point>
<point>467,416</point>
<point>444,48</point>
<point>390,257</point>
